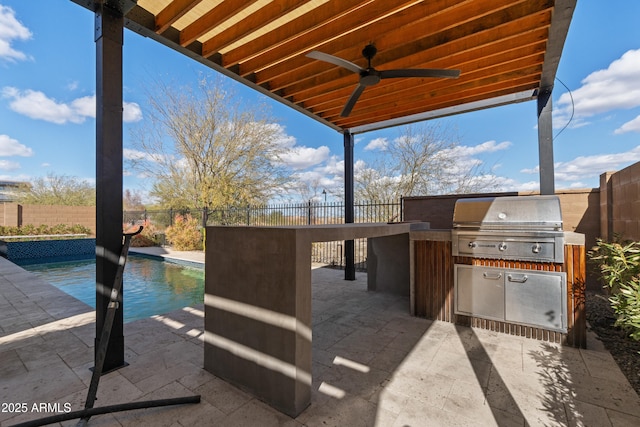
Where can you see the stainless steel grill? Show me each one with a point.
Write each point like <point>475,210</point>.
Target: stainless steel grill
<point>512,228</point>
<point>527,228</point>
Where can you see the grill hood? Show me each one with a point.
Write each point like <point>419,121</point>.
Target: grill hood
<point>509,213</point>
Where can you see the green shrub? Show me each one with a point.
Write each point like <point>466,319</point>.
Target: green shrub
<point>619,266</point>
<point>185,234</point>
<point>32,230</point>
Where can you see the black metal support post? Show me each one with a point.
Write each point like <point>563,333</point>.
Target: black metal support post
<point>545,141</point>
<point>109,40</point>
<point>349,248</point>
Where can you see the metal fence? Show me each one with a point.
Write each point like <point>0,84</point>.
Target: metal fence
<point>309,213</point>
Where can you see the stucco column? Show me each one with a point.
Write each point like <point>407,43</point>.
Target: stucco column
<point>545,142</point>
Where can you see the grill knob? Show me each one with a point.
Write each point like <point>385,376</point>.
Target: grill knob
<point>502,247</point>
<point>536,248</point>
<point>472,245</point>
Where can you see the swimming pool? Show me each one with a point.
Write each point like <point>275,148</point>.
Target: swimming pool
<point>150,286</point>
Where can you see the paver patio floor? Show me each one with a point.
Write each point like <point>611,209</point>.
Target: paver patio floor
<point>373,364</point>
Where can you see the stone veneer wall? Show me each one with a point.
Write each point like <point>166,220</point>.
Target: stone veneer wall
<point>14,214</point>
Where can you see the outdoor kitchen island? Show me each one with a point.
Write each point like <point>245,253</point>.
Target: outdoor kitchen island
<point>506,266</point>
<point>258,305</point>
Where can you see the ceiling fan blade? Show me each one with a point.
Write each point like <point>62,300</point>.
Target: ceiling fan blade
<point>419,72</point>
<point>321,56</point>
<point>352,100</point>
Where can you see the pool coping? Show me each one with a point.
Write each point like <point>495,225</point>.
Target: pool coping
<point>194,259</point>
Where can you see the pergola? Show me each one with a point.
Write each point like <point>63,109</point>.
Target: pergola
<point>506,50</point>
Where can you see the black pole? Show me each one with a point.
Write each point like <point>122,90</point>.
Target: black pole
<point>109,39</point>
<point>349,248</point>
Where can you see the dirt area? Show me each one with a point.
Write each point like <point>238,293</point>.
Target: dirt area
<point>624,350</point>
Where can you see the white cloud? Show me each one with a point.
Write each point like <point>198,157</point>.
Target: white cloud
<point>131,112</point>
<point>281,138</point>
<point>485,147</point>
<point>377,144</point>
<point>631,126</point>
<point>617,87</point>
<point>305,157</point>
<point>8,165</point>
<point>11,147</point>
<point>131,154</point>
<point>586,167</point>
<point>82,108</point>
<point>11,29</point>
<point>37,105</point>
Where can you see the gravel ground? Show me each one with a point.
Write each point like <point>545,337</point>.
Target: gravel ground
<point>625,351</point>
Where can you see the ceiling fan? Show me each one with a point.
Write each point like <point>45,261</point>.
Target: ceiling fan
<point>370,76</point>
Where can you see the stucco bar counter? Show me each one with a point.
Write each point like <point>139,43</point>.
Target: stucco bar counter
<point>258,306</point>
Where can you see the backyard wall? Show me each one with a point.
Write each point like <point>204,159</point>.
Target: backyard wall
<point>14,214</point>
<point>620,203</point>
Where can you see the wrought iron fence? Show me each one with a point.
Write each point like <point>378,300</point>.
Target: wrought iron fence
<point>309,213</point>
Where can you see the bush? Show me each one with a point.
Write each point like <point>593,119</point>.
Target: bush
<point>31,230</point>
<point>185,234</point>
<point>148,236</point>
<point>619,266</point>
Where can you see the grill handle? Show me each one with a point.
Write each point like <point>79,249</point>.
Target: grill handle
<point>492,276</point>
<point>517,279</point>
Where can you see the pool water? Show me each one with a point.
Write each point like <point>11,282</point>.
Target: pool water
<point>149,286</point>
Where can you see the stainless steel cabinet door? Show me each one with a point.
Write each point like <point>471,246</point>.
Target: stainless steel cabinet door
<point>479,291</point>
<point>536,298</point>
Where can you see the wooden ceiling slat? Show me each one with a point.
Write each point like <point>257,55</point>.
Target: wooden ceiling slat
<point>260,19</point>
<point>449,24</point>
<point>347,123</point>
<point>370,15</point>
<point>293,29</point>
<point>464,96</point>
<point>209,20</point>
<point>466,50</point>
<point>350,45</point>
<point>174,11</point>
<point>405,103</point>
<point>513,31</point>
<point>491,61</point>
<point>424,89</point>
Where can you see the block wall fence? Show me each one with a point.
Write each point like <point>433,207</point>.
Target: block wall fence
<point>14,214</point>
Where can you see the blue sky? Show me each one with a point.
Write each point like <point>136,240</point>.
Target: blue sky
<point>47,109</point>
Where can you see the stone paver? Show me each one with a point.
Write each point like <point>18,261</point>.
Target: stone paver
<point>373,365</point>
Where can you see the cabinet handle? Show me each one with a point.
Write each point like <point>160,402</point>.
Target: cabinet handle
<point>492,276</point>
<point>520,279</point>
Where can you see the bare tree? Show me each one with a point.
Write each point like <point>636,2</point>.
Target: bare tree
<point>132,201</point>
<point>422,160</point>
<point>58,190</point>
<point>204,149</point>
